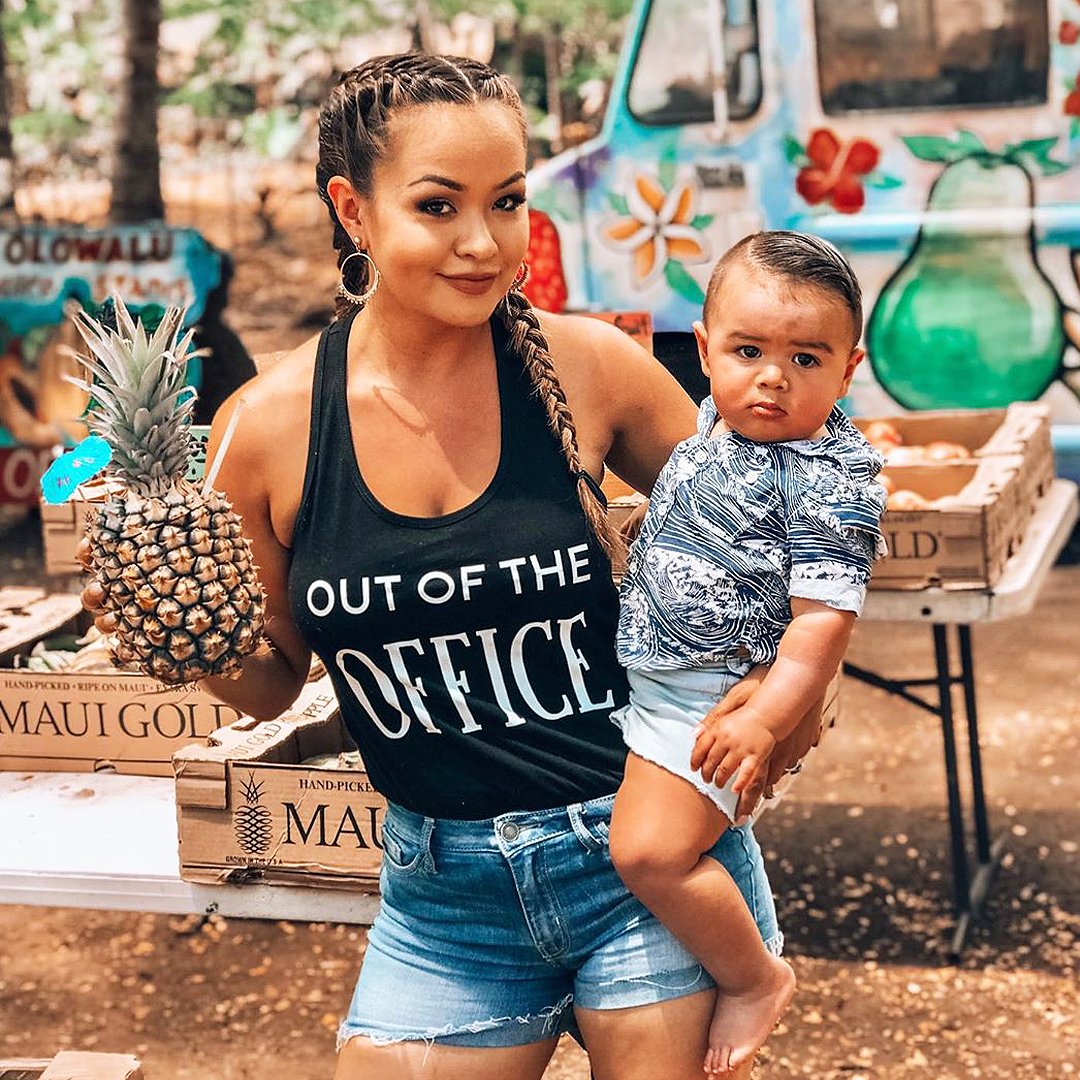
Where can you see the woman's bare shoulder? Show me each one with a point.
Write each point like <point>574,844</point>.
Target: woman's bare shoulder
<point>273,408</point>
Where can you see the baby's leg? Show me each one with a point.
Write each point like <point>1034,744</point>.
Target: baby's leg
<point>660,829</point>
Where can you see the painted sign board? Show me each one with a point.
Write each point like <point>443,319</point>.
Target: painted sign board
<point>42,269</point>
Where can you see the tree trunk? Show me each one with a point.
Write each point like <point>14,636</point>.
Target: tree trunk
<point>554,73</point>
<point>136,180</point>
<point>7,149</point>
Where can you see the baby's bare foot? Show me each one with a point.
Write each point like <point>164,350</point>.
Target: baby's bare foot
<point>742,1022</point>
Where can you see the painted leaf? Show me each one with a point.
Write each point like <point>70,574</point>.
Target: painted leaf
<point>882,181</point>
<point>794,152</point>
<point>1036,147</point>
<point>618,204</point>
<point>681,282</point>
<point>666,171</point>
<point>702,221</point>
<point>933,148</point>
<point>1049,167</point>
<point>971,142</point>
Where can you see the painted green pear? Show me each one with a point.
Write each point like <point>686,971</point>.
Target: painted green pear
<point>969,320</point>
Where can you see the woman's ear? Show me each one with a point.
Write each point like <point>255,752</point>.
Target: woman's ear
<point>348,205</point>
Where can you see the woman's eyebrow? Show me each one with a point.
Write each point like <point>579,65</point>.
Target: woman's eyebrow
<point>453,185</point>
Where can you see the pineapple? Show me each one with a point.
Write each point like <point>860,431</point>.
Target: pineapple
<point>174,564</point>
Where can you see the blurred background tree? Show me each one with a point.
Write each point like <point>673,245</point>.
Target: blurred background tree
<point>240,81</point>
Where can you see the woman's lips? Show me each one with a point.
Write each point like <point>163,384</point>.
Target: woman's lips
<point>471,285</point>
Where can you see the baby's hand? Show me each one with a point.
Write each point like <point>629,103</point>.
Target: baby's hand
<point>736,744</point>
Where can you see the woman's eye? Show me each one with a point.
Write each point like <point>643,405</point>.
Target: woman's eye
<point>436,207</point>
<point>748,352</point>
<point>805,360</point>
<point>510,202</point>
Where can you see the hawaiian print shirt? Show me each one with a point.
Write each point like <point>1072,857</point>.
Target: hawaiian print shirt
<point>734,529</point>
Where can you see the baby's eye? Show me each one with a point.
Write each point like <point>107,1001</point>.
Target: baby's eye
<point>805,360</point>
<point>436,207</point>
<point>748,352</point>
<point>510,202</point>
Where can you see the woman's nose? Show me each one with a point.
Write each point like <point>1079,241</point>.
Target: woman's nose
<point>475,238</point>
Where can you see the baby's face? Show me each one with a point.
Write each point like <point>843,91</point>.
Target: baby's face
<point>778,354</point>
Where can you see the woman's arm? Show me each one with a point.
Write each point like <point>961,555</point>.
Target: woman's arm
<point>273,675</point>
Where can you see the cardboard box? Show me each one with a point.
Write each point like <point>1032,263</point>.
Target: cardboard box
<point>965,540</point>
<point>27,614</point>
<point>74,1065</point>
<point>1022,429</point>
<point>80,721</point>
<point>248,808</point>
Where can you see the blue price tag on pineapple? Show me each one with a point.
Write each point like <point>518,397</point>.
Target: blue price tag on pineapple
<point>75,467</point>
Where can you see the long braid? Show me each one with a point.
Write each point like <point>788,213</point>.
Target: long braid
<point>528,341</point>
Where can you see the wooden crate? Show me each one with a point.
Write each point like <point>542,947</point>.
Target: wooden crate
<point>962,542</point>
<point>1022,429</point>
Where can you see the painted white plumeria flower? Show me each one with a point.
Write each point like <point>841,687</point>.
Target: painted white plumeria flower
<point>658,229</point>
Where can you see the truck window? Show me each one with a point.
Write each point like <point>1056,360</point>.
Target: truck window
<point>886,55</point>
<point>671,84</point>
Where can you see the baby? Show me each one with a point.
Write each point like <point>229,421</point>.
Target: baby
<point>756,549</point>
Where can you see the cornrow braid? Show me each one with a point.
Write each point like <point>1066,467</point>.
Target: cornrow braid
<point>354,131</point>
<point>528,342</point>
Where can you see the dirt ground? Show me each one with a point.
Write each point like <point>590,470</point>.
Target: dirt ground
<point>857,854</point>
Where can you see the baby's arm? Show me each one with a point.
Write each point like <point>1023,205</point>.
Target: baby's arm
<point>739,743</point>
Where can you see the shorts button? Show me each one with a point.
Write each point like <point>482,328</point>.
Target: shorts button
<point>509,831</point>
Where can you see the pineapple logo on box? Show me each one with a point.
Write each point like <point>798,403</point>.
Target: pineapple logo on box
<point>335,820</point>
<point>254,823</point>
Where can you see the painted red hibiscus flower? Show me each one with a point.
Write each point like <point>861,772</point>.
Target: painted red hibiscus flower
<point>1068,32</point>
<point>546,284</point>
<point>834,171</point>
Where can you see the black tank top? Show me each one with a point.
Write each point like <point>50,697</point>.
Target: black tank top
<point>473,653</point>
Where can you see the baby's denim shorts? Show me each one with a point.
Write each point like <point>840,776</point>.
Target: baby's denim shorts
<point>490,931</point>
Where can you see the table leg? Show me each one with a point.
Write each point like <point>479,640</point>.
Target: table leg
<point>978,792</point>
<point>961,879</point>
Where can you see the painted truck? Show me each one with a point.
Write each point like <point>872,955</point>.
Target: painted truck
<point>937,142</point>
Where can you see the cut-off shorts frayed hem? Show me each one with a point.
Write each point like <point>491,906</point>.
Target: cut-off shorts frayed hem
<point>518,1030</point>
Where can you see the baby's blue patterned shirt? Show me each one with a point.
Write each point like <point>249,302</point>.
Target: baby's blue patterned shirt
<point>734,529</point>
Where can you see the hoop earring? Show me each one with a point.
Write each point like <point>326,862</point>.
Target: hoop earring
<point>520,278</point>
<point>360,299</point>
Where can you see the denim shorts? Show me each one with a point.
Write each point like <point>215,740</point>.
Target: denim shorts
<point>489,931</point>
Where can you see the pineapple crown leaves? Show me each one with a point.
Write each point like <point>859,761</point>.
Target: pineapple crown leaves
<point>136,379</point>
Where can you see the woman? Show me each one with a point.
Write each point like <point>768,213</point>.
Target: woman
<point>420,489</point>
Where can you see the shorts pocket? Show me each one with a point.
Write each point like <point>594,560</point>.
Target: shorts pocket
<point>407,855</point>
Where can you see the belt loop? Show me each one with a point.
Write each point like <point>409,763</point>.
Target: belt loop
<point>427,834</point>
<point>581,830</point>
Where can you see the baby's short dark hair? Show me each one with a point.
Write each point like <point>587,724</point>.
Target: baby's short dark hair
<point>798,257</point>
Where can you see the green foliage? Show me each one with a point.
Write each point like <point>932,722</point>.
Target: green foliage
<point>248,64</point>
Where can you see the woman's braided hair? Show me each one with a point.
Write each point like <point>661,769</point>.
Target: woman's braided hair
<point>353,136</point>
